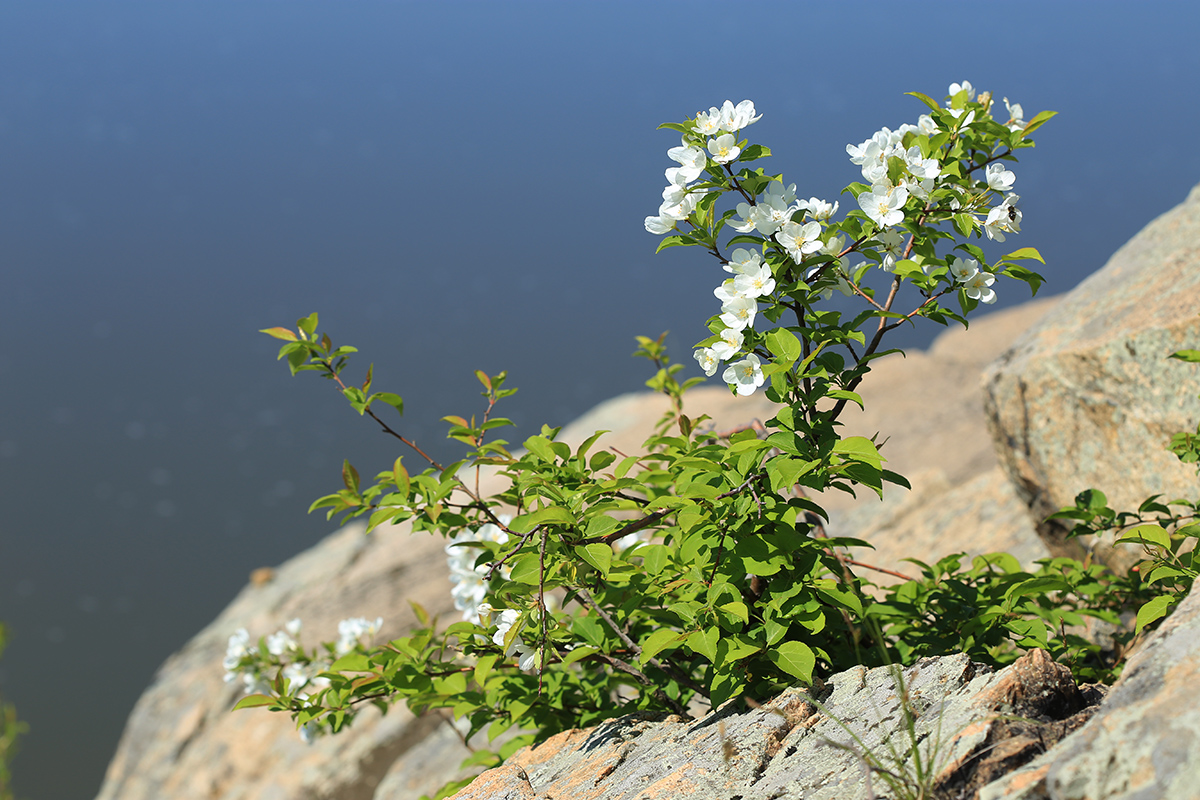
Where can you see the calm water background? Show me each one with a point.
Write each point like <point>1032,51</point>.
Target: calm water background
<point>453,186</point>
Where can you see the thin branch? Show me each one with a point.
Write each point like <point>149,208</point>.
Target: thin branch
<point>495,565</point>
<point>632,645</point>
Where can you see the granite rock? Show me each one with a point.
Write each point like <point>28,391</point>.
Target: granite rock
<point>1088,398</point>
<point>812,746</point>
<point>1143,742</point>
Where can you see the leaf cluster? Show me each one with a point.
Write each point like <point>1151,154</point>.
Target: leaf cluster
<point>697,570</point>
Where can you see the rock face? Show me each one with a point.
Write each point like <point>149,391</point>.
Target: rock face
<point>813,748</point>
<point>1023,733</point>
<point>1144,742</point>
<point>183,743</point>
<point>1088,398</point>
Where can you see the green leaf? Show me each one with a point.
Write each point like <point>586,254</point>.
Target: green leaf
<point>1038,121</point>
<point>1163,573</point>
<point>726,684</point>
<point>757,557</point>
<point>1147,534</point>
<point>754,152</point>
<point>795,658</point>
<point>1025,253</point>
<point>599,555</point>
<point>658,641</point>
<point>550,515</point>
<point>1154,610</point>
<point>784,345</point>
<point>540,447</point>
<point>582,451</point>
<point>578,653</point>
<point>859,448</point>
<point>308,324</point>
<point>254,701</point>
<point>924,98</point>
<point>451,685</point>
<point>527,569</point>
<point>483,667</point>
<point>843,394</point>
<point>673,241</point>
<point>392,399</point>
<point>784,471</point>
<point>737,609</point>
<point>1187,355</point>
<point>654,557</point>
<point>704,642</point>
<point>1043,584</point>
<point>351,662</point>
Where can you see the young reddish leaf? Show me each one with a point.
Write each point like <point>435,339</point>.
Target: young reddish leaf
<point>400,477</point>
<point>349,476</point>
<point>280,333</point>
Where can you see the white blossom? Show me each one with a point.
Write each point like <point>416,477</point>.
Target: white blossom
<point>254,683</point>
<point>708,360</point>
<point>280,642</point>
<point>782,195</point>
<point>746,375</point>
<point>1016,116</point>
<point>469,588</point>
<point>963,122</point>
<point>727,291</point>
<point>296,675</point>
<point>818,209</point>
<point>965,86</point>
<point>1004,218</point>
<point>724,148</point>
<point>352,632</point>
<point>734,118</point>
<point>660,225</point>
<point>800,240</point>
<point>963,269</point>
<point>528,658</point>
<point>921,167</point>
<point>978,287</point>
<point>743,260</point>
<point>745,222</point>
<point>739,312</point>
<point>770,214</point>
<point>998,178</point>
<point>755,282</point>
<point>728,347</point>
<point>678,202</point>
<point>708,123</point>
<point>692,162</point>
<point>891,242</point>
<point>885,208</point>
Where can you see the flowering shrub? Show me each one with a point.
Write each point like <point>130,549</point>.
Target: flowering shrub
<point>597,583</point>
